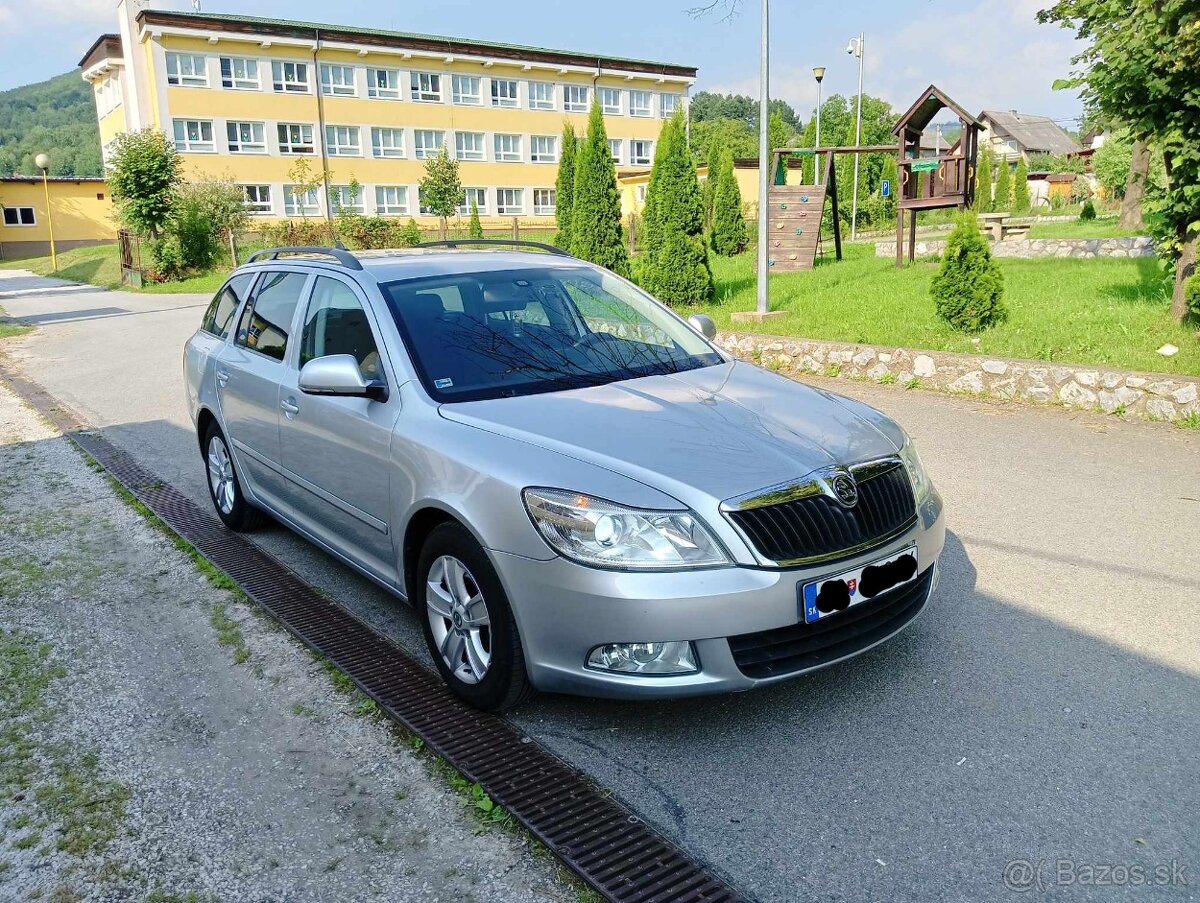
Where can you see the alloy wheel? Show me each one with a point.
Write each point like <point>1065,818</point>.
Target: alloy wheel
<point>459,619</point>
<point>220,475</point>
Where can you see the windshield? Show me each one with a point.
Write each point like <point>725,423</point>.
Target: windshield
<point>516,332</point>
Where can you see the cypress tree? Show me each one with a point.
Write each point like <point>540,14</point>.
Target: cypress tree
<point>715,155</point>
<point>728,235</point>
<point>983,182</point>
<point>969,288</point>
<point>596,203</point>
<point>1003,201</point>
<point>564,187</point>
<point>673,263</point>
<point>474,227</point>
<point>1020,203</point>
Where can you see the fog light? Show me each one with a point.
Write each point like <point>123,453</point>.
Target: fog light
<point>645,658</point>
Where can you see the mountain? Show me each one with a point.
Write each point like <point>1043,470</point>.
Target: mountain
<point>57,117</point>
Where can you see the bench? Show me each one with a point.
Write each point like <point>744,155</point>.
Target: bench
<point>1000,226</point>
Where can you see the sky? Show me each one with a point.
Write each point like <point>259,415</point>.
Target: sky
<point>986,54</point>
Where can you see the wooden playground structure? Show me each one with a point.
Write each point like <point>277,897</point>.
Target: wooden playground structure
<point>934,182</point>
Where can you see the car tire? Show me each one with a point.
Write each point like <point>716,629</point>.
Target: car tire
<point>457,591</point>
<point>225,485</point>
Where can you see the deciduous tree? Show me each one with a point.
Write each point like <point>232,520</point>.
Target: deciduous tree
<point>441,190</point>
<point>142,177</point>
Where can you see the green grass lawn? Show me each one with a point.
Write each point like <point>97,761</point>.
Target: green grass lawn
<point>1077,229</point>
<point>1101,312</point>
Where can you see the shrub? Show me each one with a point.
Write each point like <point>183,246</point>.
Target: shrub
<point>969,288</point>
<point>363,233</point>
<point>596,203</point>
<point>167,259</point>
<point>1191,293</point>
<point>1088,213</point>
<point>683,275</point>
<point>298,232</point>
<point>474,227</point>
<point>728,235</point>
<point>192,231</point>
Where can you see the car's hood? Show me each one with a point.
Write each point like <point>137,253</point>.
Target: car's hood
<point>723,430</point>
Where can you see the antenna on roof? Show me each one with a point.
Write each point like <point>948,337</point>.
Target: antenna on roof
<point>195,6</point>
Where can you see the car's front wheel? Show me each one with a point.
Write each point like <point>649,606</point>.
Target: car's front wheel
<point>468,622</point>
<point>224,484</point>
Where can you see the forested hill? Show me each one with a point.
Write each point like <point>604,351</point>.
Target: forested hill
<point>57,117</point>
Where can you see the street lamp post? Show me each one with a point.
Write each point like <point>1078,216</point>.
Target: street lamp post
<point>764,161</point>
<point>819,75</point>
<point>855,47</point>
<point>42,162</point>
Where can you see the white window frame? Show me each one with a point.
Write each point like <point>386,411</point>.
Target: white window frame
<point>336,147</point>
<point>610,100</point>
<point>381,150</point>
<point>478,149</point>
<point>338,195</point>
<point>515,209</point>
<point>618,157</point>
<point>542,103</point>
<point>285,77</point>
<point>675,100</point>
<point>248,80</point>
<point>384,207</point>
<point>385,92</point>
<point>508,148</point>
<point>465,97</point>
<point>506,93</point>
<point>19,211</point>
<point>544,209</point>
<point>338,80</point>
<point>304,208</point>
<point>423,152</point>
<point>258,205</point>
<point>645,159</point>
<point>197,63</point>
<point>199,145</point>
<point>642,111</point>
<point>238,145</point>
<point>421,85</point>
<point>464,209</point>
<point>575,106</point>
<point>288,142</point>
<point>543,156</point>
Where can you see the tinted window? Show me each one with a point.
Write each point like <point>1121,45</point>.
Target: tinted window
<point>265,329</point>
<point>220,312</point>
<point>337,324</point>
<point>517,332</point>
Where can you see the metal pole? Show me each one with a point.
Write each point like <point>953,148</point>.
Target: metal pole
<point>857,140</point>
<point>764,161</point>
<point>50,221</point>
<point>816,158</point>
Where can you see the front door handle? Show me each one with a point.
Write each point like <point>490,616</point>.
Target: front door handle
<point>290,408</point>
<point>222,378</point>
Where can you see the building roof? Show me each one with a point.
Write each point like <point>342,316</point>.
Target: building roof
<point>255,25</point>
<point>107,46</point>
<point>1033,133</point>
<point>78,180</point>
<point>931,102</point>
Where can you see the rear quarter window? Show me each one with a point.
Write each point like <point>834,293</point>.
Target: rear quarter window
<point>219,316</point>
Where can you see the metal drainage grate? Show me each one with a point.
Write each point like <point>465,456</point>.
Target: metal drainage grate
<point>598,838</point>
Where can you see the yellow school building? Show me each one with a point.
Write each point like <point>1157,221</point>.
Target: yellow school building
<point>80,211</point>
<point>249,98</point>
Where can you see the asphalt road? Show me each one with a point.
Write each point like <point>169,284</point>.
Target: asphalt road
<point>1045,709</point>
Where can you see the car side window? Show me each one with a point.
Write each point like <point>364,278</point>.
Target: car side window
<point>220,312</point>
<point>264,325</point>
<point>337,324</point>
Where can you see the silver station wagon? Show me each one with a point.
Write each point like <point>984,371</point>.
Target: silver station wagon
<point>575,488</point>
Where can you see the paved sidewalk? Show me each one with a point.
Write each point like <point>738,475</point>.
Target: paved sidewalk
<point>159,736</point>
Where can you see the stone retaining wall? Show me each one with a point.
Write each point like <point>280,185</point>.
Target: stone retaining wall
<point>1156,396</point>
<point>1139,246</point>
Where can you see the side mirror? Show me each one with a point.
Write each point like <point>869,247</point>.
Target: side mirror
<point>704,325</point>
<point>338,374</point>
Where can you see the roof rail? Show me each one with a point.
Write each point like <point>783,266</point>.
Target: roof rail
<point>341,255</point>
<point>505,242</point>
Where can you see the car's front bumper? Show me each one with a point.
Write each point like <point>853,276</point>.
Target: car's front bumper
<point>564,610</point>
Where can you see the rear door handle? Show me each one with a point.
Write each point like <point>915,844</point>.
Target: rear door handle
<point>222,378</point>
<point>290,408</point>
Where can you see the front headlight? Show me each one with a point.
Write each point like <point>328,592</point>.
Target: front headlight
<point>916,471</point>
<point>599,533</point>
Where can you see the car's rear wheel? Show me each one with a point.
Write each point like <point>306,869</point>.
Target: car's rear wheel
<point>224,484</point>
<point>468,622</point>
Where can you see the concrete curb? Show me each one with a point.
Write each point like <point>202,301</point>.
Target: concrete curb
<point>1154,396</point>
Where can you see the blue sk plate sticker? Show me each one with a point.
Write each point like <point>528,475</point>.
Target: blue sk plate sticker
<point>443,383</point>
<point>835,593</point>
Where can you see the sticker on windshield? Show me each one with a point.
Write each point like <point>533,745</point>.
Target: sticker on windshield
<point>443,383</point>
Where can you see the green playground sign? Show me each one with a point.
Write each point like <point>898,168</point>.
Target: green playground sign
<point>924,165</point>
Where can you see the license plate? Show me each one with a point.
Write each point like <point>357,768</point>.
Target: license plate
<point>830,595</point>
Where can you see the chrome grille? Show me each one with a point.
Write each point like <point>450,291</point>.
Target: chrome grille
<point>818,528</point>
